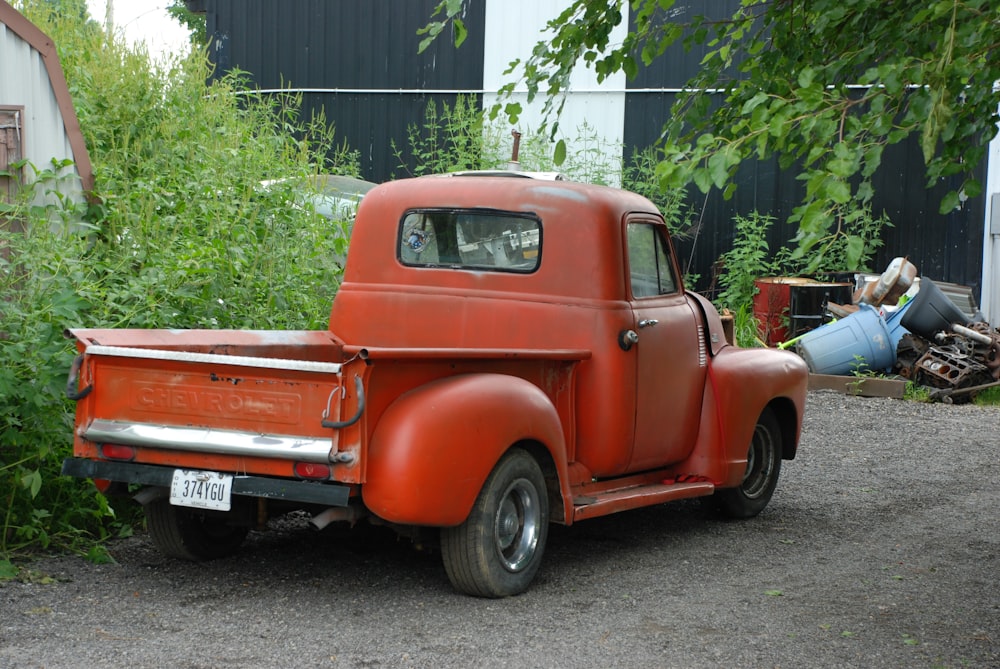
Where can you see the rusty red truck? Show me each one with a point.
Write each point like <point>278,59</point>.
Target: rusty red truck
<point>504,352</point>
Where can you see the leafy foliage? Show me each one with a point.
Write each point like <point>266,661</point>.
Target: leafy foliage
<point>639,176</point>
<point>751,257</point>
<point>824,85</point>
<point>39,280</point>
<point>461,137</point>
<point>195,23</point>
<point>180,234</point>
<point>450,139</point>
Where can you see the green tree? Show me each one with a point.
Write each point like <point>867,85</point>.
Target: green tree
<point>823,85</point>
<point>194,22</point>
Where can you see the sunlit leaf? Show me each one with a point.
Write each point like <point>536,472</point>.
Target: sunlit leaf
<point>559,156</point>
<point>460,32</point>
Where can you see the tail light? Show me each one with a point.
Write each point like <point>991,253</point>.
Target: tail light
<point>312,471</point>
<point>117,452</point>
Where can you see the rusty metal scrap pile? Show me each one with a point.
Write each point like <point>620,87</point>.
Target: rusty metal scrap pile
<point>956,363</point>
<point>907,326</point>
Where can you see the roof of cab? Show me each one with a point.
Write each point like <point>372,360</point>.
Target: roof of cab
<point>581,231</point>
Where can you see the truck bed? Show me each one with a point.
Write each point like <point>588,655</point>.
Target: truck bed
<point>254,401</point>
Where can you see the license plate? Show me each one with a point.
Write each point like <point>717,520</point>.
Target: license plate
<point>202,490</point>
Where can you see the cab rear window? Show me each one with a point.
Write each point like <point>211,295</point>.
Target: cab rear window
<point>477,240</point>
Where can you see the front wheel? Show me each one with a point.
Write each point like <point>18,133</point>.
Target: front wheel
<point>761,476</point>
<point>496,552</point>
<point>186,534</point>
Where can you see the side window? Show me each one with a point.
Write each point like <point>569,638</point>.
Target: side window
<point>11,141</point>
<point>10,151</point>
<point>649,261</point>
<point>477,240</point>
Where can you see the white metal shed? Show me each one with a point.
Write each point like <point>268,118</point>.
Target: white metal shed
<point>37,119</point>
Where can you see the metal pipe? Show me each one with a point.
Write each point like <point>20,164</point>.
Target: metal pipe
<point>972,334</point>
<point>350,514</point>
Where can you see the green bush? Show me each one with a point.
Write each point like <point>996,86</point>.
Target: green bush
<point>181,234</point>
<point>850,249</point>
<point>41,276</point>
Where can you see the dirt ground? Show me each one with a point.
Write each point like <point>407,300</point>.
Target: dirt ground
<point>879,549</point>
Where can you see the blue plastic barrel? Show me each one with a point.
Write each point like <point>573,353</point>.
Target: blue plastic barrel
<point>859,342</point>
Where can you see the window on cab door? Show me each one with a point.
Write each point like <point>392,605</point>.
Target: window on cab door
<point>651,271</point>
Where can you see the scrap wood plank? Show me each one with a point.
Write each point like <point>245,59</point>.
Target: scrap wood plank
<point>863,386</point>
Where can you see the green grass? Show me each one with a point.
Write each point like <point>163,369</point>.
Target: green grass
<point>988,397</point>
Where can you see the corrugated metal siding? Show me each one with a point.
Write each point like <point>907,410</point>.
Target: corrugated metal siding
<point>24,82</point>
<point>350,45</point>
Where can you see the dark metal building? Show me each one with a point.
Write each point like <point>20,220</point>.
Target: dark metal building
<point>357,60</point>
<point>354,59</point>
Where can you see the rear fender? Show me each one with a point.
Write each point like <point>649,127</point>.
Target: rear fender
<point>433,447</point>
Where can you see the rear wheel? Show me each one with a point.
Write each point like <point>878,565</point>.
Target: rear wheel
<point>187,534</point>
<point>497,551</point>
<point>761,476</point>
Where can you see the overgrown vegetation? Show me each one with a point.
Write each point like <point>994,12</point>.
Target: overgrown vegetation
<point>750,258</point>
<point>182,236</point>
<point>460,137</point>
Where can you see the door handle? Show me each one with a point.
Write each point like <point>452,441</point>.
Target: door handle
<point>647,322</point>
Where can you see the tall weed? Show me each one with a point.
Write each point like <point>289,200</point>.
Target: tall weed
<point>851,249</point>
<point>41,275</point>
<point>180,234</point>
<point>459,137</point>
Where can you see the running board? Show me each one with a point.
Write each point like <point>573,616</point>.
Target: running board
<point>605,503</point>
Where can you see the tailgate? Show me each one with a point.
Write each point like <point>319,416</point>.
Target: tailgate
<point>238,401</point>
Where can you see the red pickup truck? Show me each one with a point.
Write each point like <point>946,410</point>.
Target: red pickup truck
<point>504,352</point>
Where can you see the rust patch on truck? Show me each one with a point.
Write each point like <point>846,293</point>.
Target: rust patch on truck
<point>225,379</point>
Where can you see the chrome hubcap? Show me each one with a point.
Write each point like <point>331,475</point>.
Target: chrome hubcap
<point>516,525</point>
<point>760,463</point>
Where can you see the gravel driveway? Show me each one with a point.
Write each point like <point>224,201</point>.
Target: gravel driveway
<point>879,549</point>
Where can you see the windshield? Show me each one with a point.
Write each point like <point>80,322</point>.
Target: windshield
<point>501,241</point>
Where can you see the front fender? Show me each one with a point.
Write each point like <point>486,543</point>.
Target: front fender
<point>742,382</point>
<point>433,447</point>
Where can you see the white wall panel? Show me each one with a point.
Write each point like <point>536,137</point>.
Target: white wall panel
<point>512,30</point>
<point>990,301</point>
